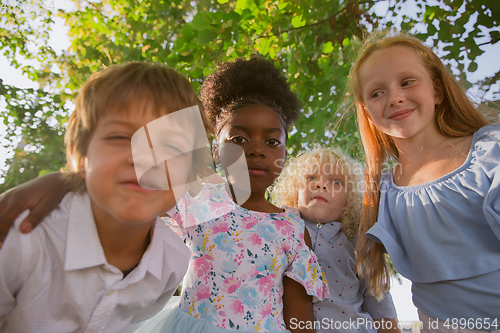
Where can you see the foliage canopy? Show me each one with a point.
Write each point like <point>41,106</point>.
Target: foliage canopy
<point>313,42</point>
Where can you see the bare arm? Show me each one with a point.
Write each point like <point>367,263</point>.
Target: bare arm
<point>297,307</point>
<point>41,195</point>
<point>387,325</point>
<point>297,304</point>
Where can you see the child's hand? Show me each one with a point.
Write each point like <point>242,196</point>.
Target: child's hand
<point>41,195</point>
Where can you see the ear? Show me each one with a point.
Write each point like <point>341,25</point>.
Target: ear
<point>438,91</point>
<point>82,172</point>
<point>215,154</point>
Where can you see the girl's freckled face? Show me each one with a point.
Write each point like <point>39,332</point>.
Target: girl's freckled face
<point>259,130</point>
<point>398,93</point>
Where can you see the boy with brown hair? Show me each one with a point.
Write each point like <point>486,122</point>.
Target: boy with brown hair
<point>103,260</point>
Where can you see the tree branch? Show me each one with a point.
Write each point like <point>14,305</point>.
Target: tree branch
<point>349,5</point>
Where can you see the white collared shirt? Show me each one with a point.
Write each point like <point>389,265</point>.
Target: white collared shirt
<point>57,279</point>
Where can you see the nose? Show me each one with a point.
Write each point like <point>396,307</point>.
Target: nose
<point>395,97</point>
<point>256,150</point>
<point>130,159</point>
<point>321,184</point>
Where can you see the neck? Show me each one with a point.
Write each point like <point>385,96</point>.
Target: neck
<point>257,202</point>
<point>416,150</point>
<point>123,245</point>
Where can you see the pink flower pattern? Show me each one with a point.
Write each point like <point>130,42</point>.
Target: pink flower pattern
<point>234,279</point>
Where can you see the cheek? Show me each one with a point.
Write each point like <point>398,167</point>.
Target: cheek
<point>302,196</point>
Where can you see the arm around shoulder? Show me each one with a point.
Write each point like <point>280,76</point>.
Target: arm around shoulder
<point>40,195</point>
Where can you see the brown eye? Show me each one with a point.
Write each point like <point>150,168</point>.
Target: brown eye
<point>238,139</point>
<point>273,142</point>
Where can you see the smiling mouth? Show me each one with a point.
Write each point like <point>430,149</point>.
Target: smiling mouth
<point>402,114</point>
<point>134,186</point>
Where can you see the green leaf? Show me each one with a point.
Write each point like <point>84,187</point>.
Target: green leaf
<point>222,1</point>
<point>298,21</point>
<point>327,47</point>
<point>205,37</point>
<point>346,42</point>
<point>200,22</point>
<point>472,66</point>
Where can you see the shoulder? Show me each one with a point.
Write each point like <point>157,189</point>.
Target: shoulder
<point>485,148</point>
<point>173,245</point>
<point>487,138</point>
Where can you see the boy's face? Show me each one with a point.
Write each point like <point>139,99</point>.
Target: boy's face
<point>322,194</point>
<point>110,175</point>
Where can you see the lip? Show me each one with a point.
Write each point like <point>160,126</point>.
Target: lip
<point>257,169</point>
<point>401,114</point>
<point>319,198</point>
<point>134,186</point>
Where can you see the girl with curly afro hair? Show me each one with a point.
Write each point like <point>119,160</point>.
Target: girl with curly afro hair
<point>251,269</point>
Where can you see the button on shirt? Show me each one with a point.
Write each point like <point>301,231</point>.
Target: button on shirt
<point>349,302</point>
<point>57,279</point>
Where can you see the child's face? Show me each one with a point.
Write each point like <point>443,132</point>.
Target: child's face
<point>259,130</point>
<point>110,175</point>
<point>323,194</point>
<point>398,92</point>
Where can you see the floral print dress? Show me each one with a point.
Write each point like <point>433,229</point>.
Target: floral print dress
<point>239,257</point>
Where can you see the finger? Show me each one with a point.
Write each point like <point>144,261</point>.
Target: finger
<point>36,215</point>
<point>7,218</point>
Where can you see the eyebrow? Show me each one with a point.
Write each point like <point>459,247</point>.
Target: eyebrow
<point>271,129</point>
<point>116,122</point>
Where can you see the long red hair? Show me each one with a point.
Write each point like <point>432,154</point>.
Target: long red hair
<point>457,116</point>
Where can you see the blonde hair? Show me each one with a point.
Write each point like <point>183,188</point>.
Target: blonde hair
<point>456,116</point>
<point>285,191</point>
<point>117,89</point>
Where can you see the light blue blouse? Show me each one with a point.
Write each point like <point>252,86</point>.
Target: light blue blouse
<point>444,235</point>
<point>349,308</point>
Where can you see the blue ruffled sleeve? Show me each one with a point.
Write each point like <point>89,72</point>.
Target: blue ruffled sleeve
<point>436,231</point>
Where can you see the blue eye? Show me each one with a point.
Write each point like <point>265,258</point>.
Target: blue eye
<point>376,94</point>
<point>311,178</point>
<point>337,182</point>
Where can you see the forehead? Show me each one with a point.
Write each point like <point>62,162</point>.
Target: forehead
<point>256,117</point>
<point>393,60</point>
<point>324,165</point>
<point>136,113</point>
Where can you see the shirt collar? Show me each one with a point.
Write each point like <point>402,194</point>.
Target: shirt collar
<point>83,247</point>
<point>330,229</point>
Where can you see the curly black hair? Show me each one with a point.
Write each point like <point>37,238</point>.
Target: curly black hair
<point>247,82</point>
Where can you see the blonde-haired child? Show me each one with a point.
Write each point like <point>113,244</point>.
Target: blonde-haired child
<point>327,188</point>
<point>436,213</point>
